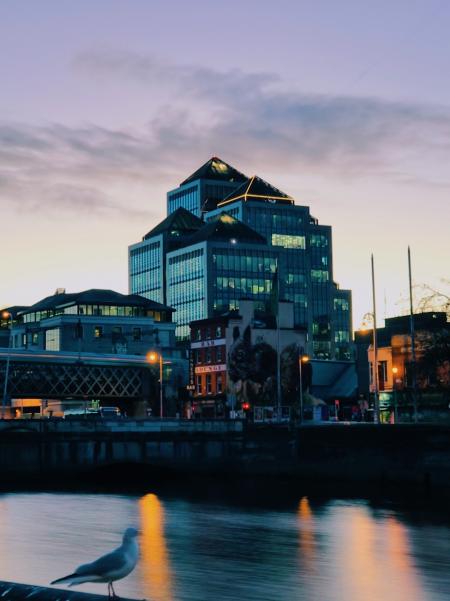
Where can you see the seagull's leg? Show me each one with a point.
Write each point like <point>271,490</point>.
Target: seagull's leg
<point>109,590</point>
<point>114,596</point>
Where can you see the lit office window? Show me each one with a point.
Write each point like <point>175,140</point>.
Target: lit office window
<point>98,332</point>
<point>52,340</point>
<point>319,275</point>
<point>288,241</point>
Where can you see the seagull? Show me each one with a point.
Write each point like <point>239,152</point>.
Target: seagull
<point>110,567</point>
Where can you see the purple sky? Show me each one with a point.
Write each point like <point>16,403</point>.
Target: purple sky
<point>105,105</point>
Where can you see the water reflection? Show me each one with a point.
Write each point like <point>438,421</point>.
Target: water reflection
<point>198,551</point>
<point>307,542</point>
<point>154,556</point>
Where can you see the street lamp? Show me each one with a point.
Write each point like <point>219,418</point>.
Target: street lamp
<point>301,359</point>
<point>394,390</point>
<point>153,357</point>
<point>7,315</point>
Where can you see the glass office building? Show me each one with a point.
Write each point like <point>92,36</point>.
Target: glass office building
<point>202,190</point>
<point>248,228</point>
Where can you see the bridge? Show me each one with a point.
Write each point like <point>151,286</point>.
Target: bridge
<point>67,375</point>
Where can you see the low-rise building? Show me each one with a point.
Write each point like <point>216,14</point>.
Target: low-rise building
<point>94,321</point>
<point>396,369</point>
<point>234,359</point>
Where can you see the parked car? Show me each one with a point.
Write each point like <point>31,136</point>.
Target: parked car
<point>110,412</point>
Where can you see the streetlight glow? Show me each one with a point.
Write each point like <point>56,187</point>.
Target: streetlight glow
<point>152,357</point>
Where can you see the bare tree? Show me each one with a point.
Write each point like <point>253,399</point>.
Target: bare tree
<point>431,299</point>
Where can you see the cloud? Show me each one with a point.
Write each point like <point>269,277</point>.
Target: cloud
<point>258,113</point>
<point>248,118</point>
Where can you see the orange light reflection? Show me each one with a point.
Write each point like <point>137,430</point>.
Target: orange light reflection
<point>306,534</point>
<point>154,561</point>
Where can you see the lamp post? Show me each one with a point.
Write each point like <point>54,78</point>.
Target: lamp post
<point>154,357</point>
<point>394,390</point>
<point>301,359</point>
<point>6,315</point>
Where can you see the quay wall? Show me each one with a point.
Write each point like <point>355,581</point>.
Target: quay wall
<point>48,450</point>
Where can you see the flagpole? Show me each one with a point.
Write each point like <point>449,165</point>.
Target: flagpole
<point>278,349</point>
<point>413,339</point>
<point>375,352</point>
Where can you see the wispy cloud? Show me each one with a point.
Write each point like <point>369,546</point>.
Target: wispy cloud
<point>202,111</point>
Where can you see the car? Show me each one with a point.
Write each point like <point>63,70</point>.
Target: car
<point>110,412</point>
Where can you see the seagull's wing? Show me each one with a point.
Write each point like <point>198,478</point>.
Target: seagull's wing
<point>103,565</point>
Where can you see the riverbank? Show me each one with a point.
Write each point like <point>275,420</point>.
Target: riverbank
<point>340,457</point>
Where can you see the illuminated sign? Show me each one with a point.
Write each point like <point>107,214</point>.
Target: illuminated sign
<point>207,369</point>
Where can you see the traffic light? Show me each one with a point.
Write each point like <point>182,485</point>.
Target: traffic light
<point>246,406</point>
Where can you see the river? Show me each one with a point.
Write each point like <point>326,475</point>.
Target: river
<point>203,550</point>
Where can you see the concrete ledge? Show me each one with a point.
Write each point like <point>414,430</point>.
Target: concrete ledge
<point>13,590</point>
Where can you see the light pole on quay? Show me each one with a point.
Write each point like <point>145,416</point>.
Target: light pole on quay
<point>394,390</point>
<point>301,359</point>
<point>7,315</point>
<point>153,357</point>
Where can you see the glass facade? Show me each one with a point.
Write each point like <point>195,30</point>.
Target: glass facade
<point>342,324</point>
<point>186,288</point>
<point>187,197</point>
<point>145,270</point>
<point>240,273</point>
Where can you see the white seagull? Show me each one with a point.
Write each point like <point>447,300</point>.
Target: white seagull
<point>110,567</point>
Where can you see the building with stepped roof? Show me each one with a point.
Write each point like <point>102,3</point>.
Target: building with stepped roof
<point>225,237</point>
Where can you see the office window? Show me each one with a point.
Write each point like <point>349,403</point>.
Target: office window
<point>289,241</point>
<point>208,384</point>
<point>208,355</point>
<point>319,275</point>
<point>199,385</point>
<point>341,336</point>
<point>98,331</point>
<point>35,338</point>
<point>137,333</point>
<point>218,354</point>
<point>219,383</point>
<point>52,340</point>
<point>218,331</point>
<point>318,240</point>
<point>24,340</point>
<point>341,304</point>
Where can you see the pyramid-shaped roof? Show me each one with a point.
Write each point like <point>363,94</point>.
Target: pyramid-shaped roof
<point>225,228</point>
<point>217,169</point>
<point>180,222</point>
<point>256,188</point>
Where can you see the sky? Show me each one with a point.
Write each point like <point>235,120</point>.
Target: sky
<point>105,105</point>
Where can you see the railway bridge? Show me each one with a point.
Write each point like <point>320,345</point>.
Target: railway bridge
<point>77,376</point>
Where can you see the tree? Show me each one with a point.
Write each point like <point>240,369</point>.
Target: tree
<point>431,299</point>
<point>434,363</point>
